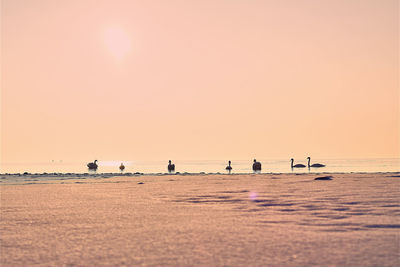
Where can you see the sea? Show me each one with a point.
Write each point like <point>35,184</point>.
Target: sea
<point>239,166</point>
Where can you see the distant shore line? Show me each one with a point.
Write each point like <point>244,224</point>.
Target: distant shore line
<point>45,174</point>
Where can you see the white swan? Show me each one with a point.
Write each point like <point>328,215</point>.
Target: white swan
<point>256,166</point>
<point>297,165</point>
<point>229,168</point>
<point>315,165</point>
<point>171,167</point>
<point>92,165</point>
<point>122,167</point>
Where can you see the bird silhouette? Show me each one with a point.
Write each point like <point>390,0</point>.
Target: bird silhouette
<point>122,167</point>
<point>92,165</point>
<point>297,165</point>
<point>171,167</point>
<point>229,167</point>
<point>256,166</point>
<point>315,165</point>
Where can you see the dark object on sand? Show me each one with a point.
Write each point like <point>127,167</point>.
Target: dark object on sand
<point>92,165</point>
<point>297,165</point>
<point>229,168</point>
<point>256,166</point>
<point>315,165</point>
<point>122,167</point>
<point>171,167</point>
<point>323,178</point>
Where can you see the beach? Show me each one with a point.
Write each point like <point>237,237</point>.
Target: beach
<point>345,219</point>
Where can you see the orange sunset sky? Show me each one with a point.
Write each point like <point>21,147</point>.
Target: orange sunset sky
<point>237,79</point>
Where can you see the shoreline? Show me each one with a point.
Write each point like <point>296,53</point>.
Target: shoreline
<point>40,178</point>
<point>176,173</point>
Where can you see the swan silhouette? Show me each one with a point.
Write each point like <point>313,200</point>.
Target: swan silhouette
<point>315,165</point>
<point>229,168</point>
<point>171,167</point>
<point>122,167</point>
<point>92,165</point>
<point>297,165</point>
<point>256,166</point>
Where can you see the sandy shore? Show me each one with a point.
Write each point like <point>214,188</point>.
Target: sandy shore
<point>207,220</point>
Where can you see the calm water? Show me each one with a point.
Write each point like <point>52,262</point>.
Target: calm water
<point>208,166</point>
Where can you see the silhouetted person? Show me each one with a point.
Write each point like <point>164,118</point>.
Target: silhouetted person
<point>256,166</point>
<point>92,165</point>
<point>122,167</point>
<point>229,168</point>
<point>171,167</point>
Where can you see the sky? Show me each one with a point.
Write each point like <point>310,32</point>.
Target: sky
<point>237,79</point>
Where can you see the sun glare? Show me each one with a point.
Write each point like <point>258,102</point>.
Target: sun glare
<point>118,42</point>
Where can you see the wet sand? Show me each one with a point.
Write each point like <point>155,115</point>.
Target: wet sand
<point>203,220</point>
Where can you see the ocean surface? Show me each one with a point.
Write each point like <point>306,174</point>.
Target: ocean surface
<point>207,166</point>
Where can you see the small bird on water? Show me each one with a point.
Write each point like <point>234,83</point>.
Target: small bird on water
<point>92,165</point>
<point>315,165</point>
<point>229,167</point>
<point>122,167</point>
<point>171,167</point>
<point>297,165</point>
<point>256,166</point>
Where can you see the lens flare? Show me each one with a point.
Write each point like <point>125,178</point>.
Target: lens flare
<point>253,196</point>
<point>117,41</point>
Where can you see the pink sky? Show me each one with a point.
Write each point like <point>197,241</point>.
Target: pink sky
<point>199,79</point>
